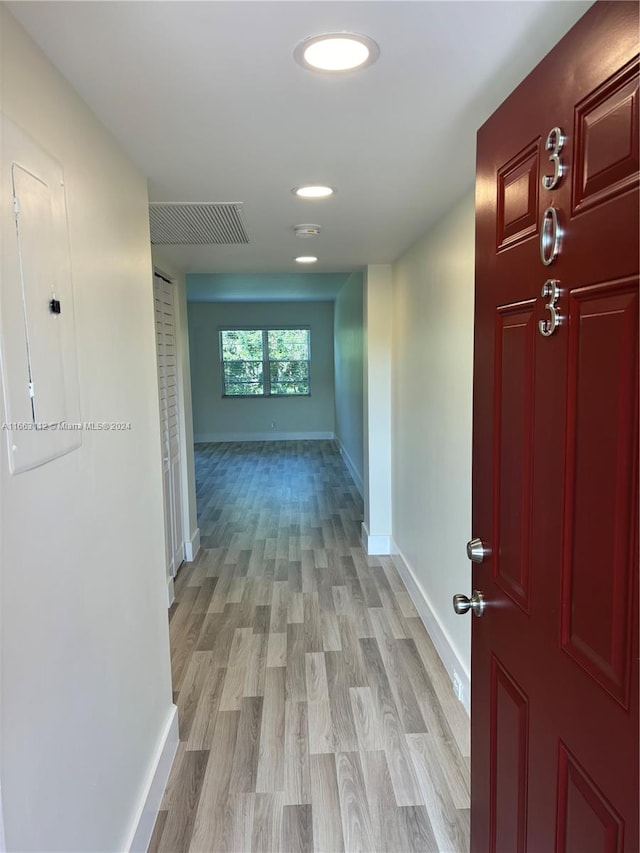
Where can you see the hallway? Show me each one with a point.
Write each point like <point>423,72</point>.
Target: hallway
<point>314,712</point>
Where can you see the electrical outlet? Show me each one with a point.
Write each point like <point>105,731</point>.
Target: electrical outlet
<point>458,687</point>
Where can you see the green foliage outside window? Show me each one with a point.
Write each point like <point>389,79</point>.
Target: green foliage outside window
<point>265,362</point>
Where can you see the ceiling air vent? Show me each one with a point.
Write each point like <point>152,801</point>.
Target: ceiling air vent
<point>177,224</point>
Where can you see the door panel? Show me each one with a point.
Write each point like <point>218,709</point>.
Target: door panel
<point>587,821</point>
<point>606,126</point>
<point>514,376</point>
<point>509,762</point>
<point>555,464</point>
<point>518,197</point>
<point>597,581</point>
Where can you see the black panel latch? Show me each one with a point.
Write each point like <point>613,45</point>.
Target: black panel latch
<point>54,306</point>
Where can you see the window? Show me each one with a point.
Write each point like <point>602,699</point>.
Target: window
<point>265,362</point>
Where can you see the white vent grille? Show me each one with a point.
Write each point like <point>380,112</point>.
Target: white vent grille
<point>177,224</point>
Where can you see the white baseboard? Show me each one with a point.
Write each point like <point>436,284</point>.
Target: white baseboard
<point>375,545</point>
<point>192,546</point>
<point>170,593</point>
<point>272,435</point>
<point>348,461</point>
<point>145,817</point>
<point>439,636</point>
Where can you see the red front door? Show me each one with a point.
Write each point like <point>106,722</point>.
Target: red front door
<point>555,464</point>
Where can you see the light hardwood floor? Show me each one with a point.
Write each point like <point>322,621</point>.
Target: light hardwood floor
<point>315,714</point>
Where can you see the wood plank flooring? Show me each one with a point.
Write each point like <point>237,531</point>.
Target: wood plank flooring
<point>315,714</point>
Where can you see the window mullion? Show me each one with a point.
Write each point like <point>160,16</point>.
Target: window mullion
<point>266,371</point>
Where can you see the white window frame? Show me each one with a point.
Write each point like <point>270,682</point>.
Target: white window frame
<point>266,361</point>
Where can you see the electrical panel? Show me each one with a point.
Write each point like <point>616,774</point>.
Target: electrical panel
<point>38,352</point>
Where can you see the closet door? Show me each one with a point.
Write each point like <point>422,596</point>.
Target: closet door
<point>169,421</point>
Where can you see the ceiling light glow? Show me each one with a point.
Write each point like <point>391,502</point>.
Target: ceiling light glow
<point>336,52</point>
<point>306,259</point>
<point>313,191</point>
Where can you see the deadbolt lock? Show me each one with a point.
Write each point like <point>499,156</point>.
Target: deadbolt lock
<point>476,550</point>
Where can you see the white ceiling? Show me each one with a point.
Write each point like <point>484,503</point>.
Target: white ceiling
<point>207,99</point>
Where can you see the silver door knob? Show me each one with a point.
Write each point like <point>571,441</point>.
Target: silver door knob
<point>461,604</point>
<point>477,551</point>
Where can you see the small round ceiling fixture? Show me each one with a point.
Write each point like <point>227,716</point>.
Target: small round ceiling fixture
<point>336,52</point>
<point>306,259</point>
<point>313,191</point>
<point>306,230</point>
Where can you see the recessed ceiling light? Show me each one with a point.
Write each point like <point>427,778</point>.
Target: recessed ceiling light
<point>336,52</point>
<point>306,259</point>
<point>313,191</point>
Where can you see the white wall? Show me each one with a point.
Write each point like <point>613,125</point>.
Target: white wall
<point>86,686</point>
<point>187,459</point>
<point>348,361</point>
<point>377,525</point>
<point>432,405</point>
<point>218,419</point>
